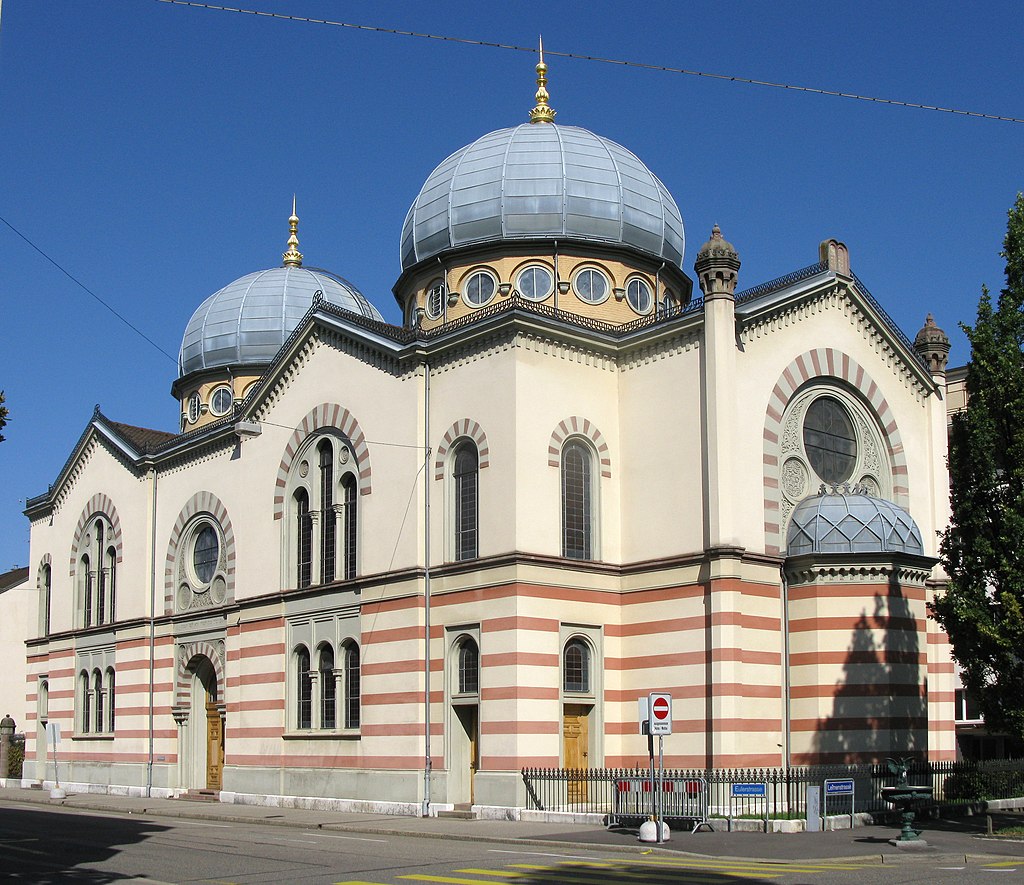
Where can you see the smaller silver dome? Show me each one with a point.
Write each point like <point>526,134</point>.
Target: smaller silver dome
<point>248,320</point>
<point>834,522</point>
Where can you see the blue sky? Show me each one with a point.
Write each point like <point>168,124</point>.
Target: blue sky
<point>152,150</point>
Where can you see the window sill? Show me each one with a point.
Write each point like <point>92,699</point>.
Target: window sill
<point>323,734</point>
<point>98,736</point>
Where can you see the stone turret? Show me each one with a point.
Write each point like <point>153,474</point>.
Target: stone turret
<point>932,345</point>
<point>717,267</point>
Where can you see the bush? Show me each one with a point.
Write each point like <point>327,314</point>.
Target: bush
<point>974,786</point>
<point>16,758</point>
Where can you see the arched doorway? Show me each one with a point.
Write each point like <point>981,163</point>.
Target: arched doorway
<point>202,734</point>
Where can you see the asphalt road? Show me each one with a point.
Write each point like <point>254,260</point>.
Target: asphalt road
<point>41,845</point>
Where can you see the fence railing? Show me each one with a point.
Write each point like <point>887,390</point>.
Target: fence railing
<point>692,793</point>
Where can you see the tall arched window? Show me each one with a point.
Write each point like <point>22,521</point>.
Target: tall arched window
<point>110,699</point>
<point>351,495</point>
<point>465,475</point>
<point>86,699</point>
<point>328,527</point>
<point>576,666</point>
<point>97,691</point>
<point>304,689</point>
<point>577,501</point>
<point>303,539</point>
<point>352,687</point>
<point>47,584</point>
<point>328,689</point>
<point>101,576</point>
<point>86,575</point>
<point>111,583</point>
<point>469,667</point>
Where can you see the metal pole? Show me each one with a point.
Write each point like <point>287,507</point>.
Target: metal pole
<point>152,640</point>
<point>425,808</point>
<point>661,781</point>
<point>654,798</point>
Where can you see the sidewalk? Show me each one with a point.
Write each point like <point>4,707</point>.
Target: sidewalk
<point>953,838</point>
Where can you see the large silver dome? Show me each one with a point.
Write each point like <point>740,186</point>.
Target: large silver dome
<point>851,523</point>
<point>248,320</point>
<point>538,182</point>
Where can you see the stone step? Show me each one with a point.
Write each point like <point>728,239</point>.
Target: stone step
<point>201,796</point>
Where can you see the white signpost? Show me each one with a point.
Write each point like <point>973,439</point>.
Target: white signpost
<point>655,719</point>
<point>52,739</point>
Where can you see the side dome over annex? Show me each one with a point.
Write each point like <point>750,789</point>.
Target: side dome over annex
<point>565,480</point>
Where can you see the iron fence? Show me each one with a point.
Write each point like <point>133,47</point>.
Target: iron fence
<point>694,794</point>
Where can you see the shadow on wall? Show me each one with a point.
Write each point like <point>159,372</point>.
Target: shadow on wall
<point>880,704</point>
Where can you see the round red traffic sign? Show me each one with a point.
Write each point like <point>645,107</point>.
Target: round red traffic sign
<point>661,708</point>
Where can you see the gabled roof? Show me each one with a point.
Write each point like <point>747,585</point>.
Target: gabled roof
<point>13,578</point>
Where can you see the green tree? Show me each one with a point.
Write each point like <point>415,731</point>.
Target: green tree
<point>983,549</point>
<point>3,414</point>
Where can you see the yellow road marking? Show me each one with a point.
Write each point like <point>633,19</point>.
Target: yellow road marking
<point>448,880</point>
<point>505,873</point>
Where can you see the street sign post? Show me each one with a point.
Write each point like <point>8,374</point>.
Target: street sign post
<point>660,715</point>
<point>655,713</point>
<point>840,787</point>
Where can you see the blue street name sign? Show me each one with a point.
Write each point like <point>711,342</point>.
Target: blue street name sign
<point>839,788</point>
<point>760,790</point>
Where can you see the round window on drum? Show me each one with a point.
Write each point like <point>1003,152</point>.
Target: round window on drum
<point>591,285</point>
<point>534,282</point>
<point>480,288</point>
<point>638,294</point>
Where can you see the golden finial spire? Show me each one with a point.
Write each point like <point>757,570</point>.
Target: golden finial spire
<point>293,257</point>
<point>542,113</point>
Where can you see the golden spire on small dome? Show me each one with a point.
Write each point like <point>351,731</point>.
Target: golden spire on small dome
<point>542,113</point>
<point>293,257</point>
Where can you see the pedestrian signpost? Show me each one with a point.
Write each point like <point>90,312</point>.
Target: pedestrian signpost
<point>655,714</point>
<point>52,739</point>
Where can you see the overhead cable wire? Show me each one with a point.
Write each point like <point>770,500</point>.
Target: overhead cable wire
<point>82,285</point>
<point>666,69</point>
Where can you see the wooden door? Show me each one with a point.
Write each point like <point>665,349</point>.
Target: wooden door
<point>576,748</point>
<point>214,747</point>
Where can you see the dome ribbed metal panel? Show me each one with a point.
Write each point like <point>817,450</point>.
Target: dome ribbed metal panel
<point>543,181</point>
<point>248,320</point>
<point>850,524</point>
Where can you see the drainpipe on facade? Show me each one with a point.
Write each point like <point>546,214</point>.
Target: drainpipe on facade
<point>152,629</point>
<point>787,735</point>
<point>425,809</point>
<point>657,286</point>
<point>554,285</point>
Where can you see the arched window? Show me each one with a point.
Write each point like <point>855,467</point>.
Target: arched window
<point>320,537</point>
<point>303,539</point>
<point>110,699</point>
<point>97,691</point>
<point>328,527</point>
<point>469,667</point>
<point>328,689</point>
<point>101,577</point>
<point>577,501</point>
<point>576,666</point>
<point>352,685</point>
<point>111,583</point>
<point>86,701</point>
<point>465,475</point>
<point>47,584</point>
<point>304,689</point>
<point>85,574</point>
<point>351,495</point>
<point>43,703</point>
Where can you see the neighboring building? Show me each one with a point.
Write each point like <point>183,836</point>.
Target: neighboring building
<point>17,621</point>
<point>574,477</point>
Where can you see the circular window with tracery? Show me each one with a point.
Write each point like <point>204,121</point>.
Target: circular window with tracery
<point>830,440</point>
<point>201,566</point>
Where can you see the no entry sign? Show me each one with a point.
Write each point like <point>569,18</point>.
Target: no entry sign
<point>660,713</point>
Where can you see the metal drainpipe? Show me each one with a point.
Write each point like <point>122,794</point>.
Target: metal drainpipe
<point>555,286</point>
<point>657,286</point>
<point>787,687</point>
<point>152,633</point>
<point>425,809</point>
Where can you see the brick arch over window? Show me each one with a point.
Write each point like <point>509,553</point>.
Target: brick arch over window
<point>464,428</point>
<point>325,415</point>
<point>99,504</point>
<point>188,652</point>
<point>823,363</point>
<point>44,561</point>
<point>200,502</point>
<point>577,426</point>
